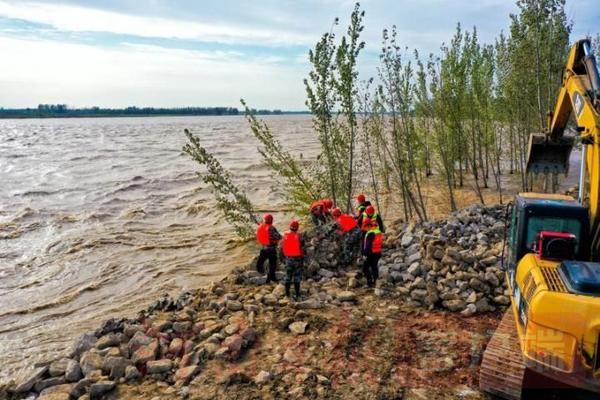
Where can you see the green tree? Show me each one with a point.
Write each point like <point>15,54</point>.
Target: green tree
<point>231,201</point>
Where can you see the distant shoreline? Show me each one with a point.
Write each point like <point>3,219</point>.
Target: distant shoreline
<point>142,115</point>
<point>44,111</point>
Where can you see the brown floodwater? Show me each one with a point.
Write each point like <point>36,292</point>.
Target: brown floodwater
<point>99,217</point>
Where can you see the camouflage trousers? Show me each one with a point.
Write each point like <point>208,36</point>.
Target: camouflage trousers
<point>351,246</point>
<point>294,267</point>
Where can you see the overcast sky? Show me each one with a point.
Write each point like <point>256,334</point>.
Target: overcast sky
<point>183,52</point>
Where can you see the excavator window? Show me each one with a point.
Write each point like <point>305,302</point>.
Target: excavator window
<point>538,224</point>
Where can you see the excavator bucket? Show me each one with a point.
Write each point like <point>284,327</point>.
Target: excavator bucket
<point>547,155</point>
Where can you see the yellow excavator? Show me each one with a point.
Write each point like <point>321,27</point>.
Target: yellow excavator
<point>550,335</point>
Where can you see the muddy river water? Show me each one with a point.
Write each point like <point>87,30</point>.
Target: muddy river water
<point>99,217</point>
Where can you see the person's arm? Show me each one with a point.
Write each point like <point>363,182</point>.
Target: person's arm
<point>380,223</point>
<point>274,236</point>
<point>368,244</point>
<point>303,245</point>
<point>359,220</point>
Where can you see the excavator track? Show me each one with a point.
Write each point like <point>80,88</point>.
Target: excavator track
<point>502,370</point>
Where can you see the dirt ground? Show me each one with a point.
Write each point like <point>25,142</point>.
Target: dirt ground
<point>376,349</point>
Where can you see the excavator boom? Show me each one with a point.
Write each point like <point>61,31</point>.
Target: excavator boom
<point>579,96</point>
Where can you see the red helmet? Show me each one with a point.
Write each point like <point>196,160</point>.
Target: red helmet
<point>361,198</point>
<point>268,219</point>
<point>294,225</point>
<point>370,210</point>
<point>328,203</point>
<point>336,212</point>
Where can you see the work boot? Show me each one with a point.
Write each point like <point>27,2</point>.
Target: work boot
<point>287,289</point>
<point>297,290</point>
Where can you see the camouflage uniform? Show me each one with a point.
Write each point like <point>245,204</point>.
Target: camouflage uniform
<point>351,246</point>
<point>294,268</point>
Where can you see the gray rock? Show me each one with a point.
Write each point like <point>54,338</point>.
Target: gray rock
<point>418,294</point>
<point>182,326</point>
<point>58,368</point>
<point>90,362</point>
<point>501,299</point>
<point>270,299</point>
<point>447,260</point>
<point>109,340</point>
<point>407,239</point>
<point>492,279</point>
<point>138,340</point>
<point>325,273</point>
<point>73,371</point>
<point>490,260</point>
<point>130,329</point>
<point>83,344</point>
<point>472,298</point>
<point>159,366</point>
<point>222,353</point>
<point>469,310</point>
<point>414,269</point>
<point>477,285</point>
<point>145,353</point>
<point>298,327</point>
<point>132,373</point>
<point>58,392</point>
<point>81,387</point>
<point>257,280</point>
<point>98,389</point>
<point>482,305</point>
<point>262,377</point>
<point>454,305</point>
<point>234,305</point>
<point>346,296</point>
<point>46,383</point>
<point>413,258</point>
<point>309,304</point>
<point>115,366</point>
<point>231,329</point>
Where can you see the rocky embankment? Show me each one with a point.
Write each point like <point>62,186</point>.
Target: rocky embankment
<point>419,334</point>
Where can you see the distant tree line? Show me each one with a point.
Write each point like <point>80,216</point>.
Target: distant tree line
<point>63,111</point>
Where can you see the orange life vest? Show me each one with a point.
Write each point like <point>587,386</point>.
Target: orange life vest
<point>291,244</point>
<point>377,240</point>
<point>346,222</point>
<point>377,243</point>
<point>366,221</point>
<point>262,234</point>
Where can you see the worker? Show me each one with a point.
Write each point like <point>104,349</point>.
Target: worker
<point>363,203</point>
<point>293,249</point>
<point>320,211</point>
<point>268,236</point>
<point>365,219</point>
<point>372,245</point>
<point>347,227</point>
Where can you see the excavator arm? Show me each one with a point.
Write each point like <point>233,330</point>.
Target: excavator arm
<point>549,153</point>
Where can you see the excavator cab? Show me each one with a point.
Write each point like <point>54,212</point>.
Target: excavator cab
<point>542,219</point>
